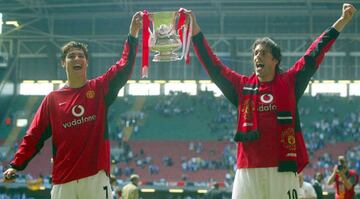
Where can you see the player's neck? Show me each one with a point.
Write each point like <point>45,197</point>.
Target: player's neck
<point>76,83</point>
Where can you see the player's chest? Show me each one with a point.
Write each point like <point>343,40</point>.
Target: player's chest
<point>77,104</point>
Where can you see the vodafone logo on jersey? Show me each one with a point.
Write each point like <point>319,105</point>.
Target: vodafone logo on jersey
<point>78,111</point>
<point>267,103</point>
<point>266,98</point>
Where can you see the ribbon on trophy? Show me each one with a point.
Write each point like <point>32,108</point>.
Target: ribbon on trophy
<point>164,39</point>
<point>185,38</point>
<point>145,45</point>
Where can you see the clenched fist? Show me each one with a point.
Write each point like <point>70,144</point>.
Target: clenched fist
<point>348,12</point>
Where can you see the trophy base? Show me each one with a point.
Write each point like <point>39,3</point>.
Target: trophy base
<point>166,57</point>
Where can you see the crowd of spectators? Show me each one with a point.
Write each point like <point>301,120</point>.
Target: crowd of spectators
<point>174,104</point>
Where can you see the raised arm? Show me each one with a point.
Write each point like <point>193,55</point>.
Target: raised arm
<point>307,65</point>
<point>348,11</point>
<point>226,79</point>
<point>117,76</point>
<point>331,178</point>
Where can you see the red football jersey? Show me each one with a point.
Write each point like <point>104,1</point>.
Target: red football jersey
<point>76,119</point>
<point>255,157</point>
<point>265,151</point>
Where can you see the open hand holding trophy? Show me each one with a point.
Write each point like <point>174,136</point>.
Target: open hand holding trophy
<point>169,33</point>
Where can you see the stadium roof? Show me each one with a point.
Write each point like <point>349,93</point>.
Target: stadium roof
<point>53,7</point>
<point>44,17</point>
<point>230,26</point>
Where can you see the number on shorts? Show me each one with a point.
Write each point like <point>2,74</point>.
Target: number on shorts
<point>106,192</point>
<point>292,194</point>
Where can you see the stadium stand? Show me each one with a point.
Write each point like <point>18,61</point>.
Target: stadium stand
<point>164,126</point>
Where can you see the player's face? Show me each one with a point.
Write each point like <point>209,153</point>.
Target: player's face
<point>75,63</point>
<point>264,63</point>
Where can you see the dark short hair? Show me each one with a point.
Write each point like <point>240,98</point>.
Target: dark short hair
<point>272,46</point>
<point>73,44</point>
<point>319,176</point>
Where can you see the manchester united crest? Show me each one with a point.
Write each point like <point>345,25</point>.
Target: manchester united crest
<point>288,139</point>
<point>90,94</point>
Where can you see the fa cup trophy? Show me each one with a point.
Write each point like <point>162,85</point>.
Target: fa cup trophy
<point>168,35</point>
